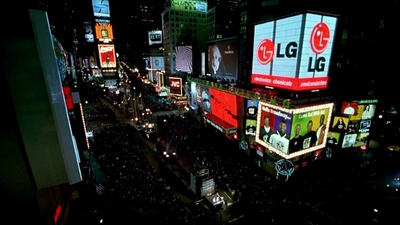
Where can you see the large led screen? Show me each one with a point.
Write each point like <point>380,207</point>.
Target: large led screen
<point>224,106</point>
<point>107,56</point>
<point>157,62</point>
<point>365,110</point>
<point>223,59</point>
<point>340,123</point>
<point>101,8</point>
<point>194,95</point>
<point>349,108</point>
<point>349,140</point>
<point>251,108</point>
<point>293,53</point>
<point>293,132</point>
<point>206,99</point>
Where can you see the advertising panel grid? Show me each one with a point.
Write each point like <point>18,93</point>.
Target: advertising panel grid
<point>101,8</point>
<point>293,132</point>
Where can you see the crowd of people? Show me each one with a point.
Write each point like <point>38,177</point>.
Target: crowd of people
<point>138,192</point>
<point>144,195</point>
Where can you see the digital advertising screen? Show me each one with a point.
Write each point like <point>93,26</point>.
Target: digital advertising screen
<point>107,56</point>
<point>175,85</point>
<point>353,126</point>
<point>364,126</point>
<point>274,128</point>
<point>349,108</point>
<point>293,132</point>
<point>88,31</point>
<point>183,58</point>
<point>349,140</point>
<point>224,106</point>
<point>155,37</point>
<point>365,110</point>
<point>361,139</point>
<point>223,59</point>
<point>251,127</point>
<point>157,62</point>
<point>104,32</point>
<point>193,96</point>
<point>206,99</point>
<point>310,128</point>
<point>294,52</point>
<point>340,123</point>
<point>251,108</point>
<point>101,8</point>
<point>333,138</point>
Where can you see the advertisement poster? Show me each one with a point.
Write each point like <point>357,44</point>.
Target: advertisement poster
<point>206,99</point>
<point>223,59</point>
<point>361,139</point>
<point>309,129</point>
<point>224,106</point>
<point>251,108</point>
<point>364,112</point>
<point>193,96</point>
<point>340,123</point>
<point>349,140</point>
<point>175,85</point>
<point>251,127</point>
<point>107,56</point>
<point>274,128</point>
<point>349,108</point>
<point>101,8</point>
<point>293,53</point>
<point>333,138</point>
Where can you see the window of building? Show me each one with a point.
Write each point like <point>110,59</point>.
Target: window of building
<point>339,65</point>
<point>381,25</point>
<point>269,2</point>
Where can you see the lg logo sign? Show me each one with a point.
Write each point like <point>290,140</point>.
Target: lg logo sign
<point>319,40</point>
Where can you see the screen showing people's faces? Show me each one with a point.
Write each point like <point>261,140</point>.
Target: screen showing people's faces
<point>349,108</point>
<point>349,140</point>
<point>340,123</point>
<point>223,59</point>
<point>251,127</point>
<point>251,108</point>
<point>333,138</point>
<point>205,98</point>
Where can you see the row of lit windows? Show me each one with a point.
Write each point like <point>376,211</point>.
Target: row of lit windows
<point>189,14</point>
<point>186,20</point>
<point>182,25</point>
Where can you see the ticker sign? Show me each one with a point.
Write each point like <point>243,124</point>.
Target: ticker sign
<point>294,52</point>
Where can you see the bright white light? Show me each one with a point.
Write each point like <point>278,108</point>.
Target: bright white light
<point>380,116</point>
<point>375,210</point>
<point>101,220</point>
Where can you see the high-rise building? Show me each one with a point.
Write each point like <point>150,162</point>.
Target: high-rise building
<point>222,19</point>
<point>184,24</point>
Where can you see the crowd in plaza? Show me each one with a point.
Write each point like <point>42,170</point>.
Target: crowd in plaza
<point>142,193</point>
<point>138,191</point>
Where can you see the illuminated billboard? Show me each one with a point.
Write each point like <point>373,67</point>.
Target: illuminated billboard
<point>175,85</point>
<point>365,109</point>
<point>107,56</point>
<point>223,59</point>
<point>293,53</point>
<point>101,8</point>
<point>189,5</point>
<point>88,31</point>
<point>183,58</point>
<point>157,62</point>
<point>155,37</point>
<point>104,32</point>
<point>293,132</point>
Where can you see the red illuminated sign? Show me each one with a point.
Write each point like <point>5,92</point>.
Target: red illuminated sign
<point>68,98</point>
<point>319,39</point>
<point>175,85</point>
<point>107,56</point>
<point>265,51</point>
